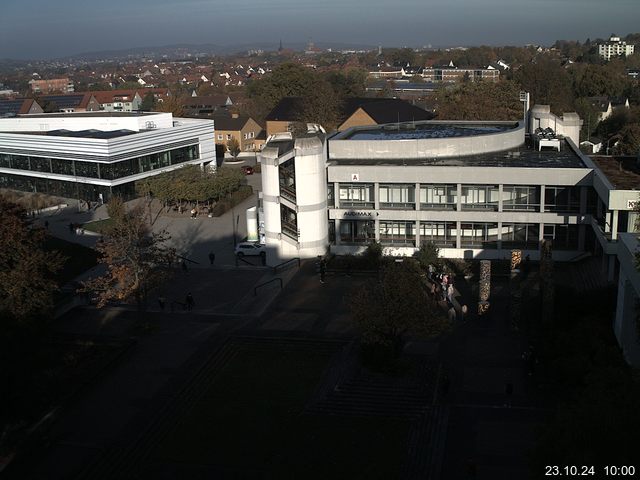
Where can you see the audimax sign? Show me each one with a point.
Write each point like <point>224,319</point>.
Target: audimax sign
<point>362,214</point>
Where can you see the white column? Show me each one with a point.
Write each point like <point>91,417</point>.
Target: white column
<point>614,225</point>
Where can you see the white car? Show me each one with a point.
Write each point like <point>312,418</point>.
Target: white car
<point>249,249</point>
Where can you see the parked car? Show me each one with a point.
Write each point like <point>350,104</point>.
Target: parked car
<point>249,249</point>
<point>247,170</point>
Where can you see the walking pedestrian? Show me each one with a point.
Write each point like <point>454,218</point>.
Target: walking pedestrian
<point>189,302</point>
<point>508,390</point>
<point>212,257</point>
<point>450,293</point>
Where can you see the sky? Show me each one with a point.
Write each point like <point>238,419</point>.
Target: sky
<point>41,29</point>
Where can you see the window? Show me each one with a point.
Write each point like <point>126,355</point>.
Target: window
<point>245,136</point>
<point>561,199</point>
<point>220,136</point>
<point>482,197</point>
<point>479,235</point>
<point>438,197</point>
<point>229,136</point>
<point>563,237</point>
<point>330,195</point>
<point>287,178</point>
<point>289,222</point>
<point>397,196</point>
<point>518,197</point>
<point>398,233</point>
<point>357,231</point>
<point>520,235</point>
<point>442,234</point>
<point>356,195</point>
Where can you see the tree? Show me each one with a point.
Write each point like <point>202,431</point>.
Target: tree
<point>429,254</point>
<point>480,101</point>
<point>234,147</point>
<point>548,83</point>
<point>134,256</point>
<point>173,104</point>
<point>396,303</point>
<point>148,102</point>
<point>26,269</point>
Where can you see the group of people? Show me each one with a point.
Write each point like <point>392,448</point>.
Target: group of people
<point>441,284</point>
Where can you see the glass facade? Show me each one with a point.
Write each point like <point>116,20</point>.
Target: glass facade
<point>105,171</point>
<point>398,196</point>
<point>438,197</point>
<point>442,234</point>
<point>478,235</point>
<point>520,235</point>
<point>289,222</point>
<point>520,197</point>
<point>287,177</point>
<point>359,195</point>
<point>73,188</point>
<point>563,237</point>
<point>357,231</point>
<point>398,233</point>
<point>561,199</point>
<point>480,197</point>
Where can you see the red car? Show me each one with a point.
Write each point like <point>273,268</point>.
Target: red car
<point>247,170</point>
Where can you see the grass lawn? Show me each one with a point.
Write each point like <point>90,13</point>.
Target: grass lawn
<point>79,258</point>
<point>250,420</point>
<point>98,226</point>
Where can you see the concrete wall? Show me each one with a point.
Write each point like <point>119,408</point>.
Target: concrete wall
<point>568,125</point>
<point>429,147</point>
<point>628,295</point>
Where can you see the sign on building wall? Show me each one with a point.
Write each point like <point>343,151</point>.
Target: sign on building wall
<point>355,177</point>
<point>633,204</point>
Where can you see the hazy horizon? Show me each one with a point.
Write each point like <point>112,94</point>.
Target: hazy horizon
<point>55,29</point>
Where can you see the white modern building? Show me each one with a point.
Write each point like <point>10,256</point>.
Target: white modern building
<point>615,48</point>
<point>94,155</point>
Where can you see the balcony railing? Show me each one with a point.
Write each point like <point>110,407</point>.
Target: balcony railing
<point>288,193</point>
<point>437,206</point>
<point>399,205</point>
<point>356,204</point>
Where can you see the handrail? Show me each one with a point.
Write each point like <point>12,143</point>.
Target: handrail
<point>187,259</point>
<point>297,259</point>
<point>255,290</point>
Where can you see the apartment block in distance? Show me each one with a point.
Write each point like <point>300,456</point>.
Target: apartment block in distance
<point>53,85</point>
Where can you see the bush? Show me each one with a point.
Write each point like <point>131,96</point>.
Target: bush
<point>237,197</point>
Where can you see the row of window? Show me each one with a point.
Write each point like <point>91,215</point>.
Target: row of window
<point>246,136</point>
<point>106,171</point>
<point>444,234</point>
<point>445,197</point>
<point>66,189</point>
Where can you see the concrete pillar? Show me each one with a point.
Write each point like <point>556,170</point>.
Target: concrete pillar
<point>542,198</point>
<point>336,194</point>
<point>614,225</point>
<point>607,220</point>
<point>417,197</point>
<point>459,205</point>
<point>499,235</point>
<point>418,233</point>
<point>377,228</point>
<point>458,235</point>
<point>376,195</point>
<point>338,242</point>
<point>500,191</point>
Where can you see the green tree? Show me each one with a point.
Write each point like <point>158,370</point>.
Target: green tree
<point>393,305</point>
<point>428,254</point>
<point>234,147</point>
<point>480,101</point>
<point>135,258</point>
<point>27,271</point>
<point>148,102</point>
<point>548,83</point>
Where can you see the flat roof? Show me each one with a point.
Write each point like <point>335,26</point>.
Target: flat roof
<point>102,134</point>
<point>425,130</point>
<point>88,114</point>
<point>622,172</point>
<point>523,157</point>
